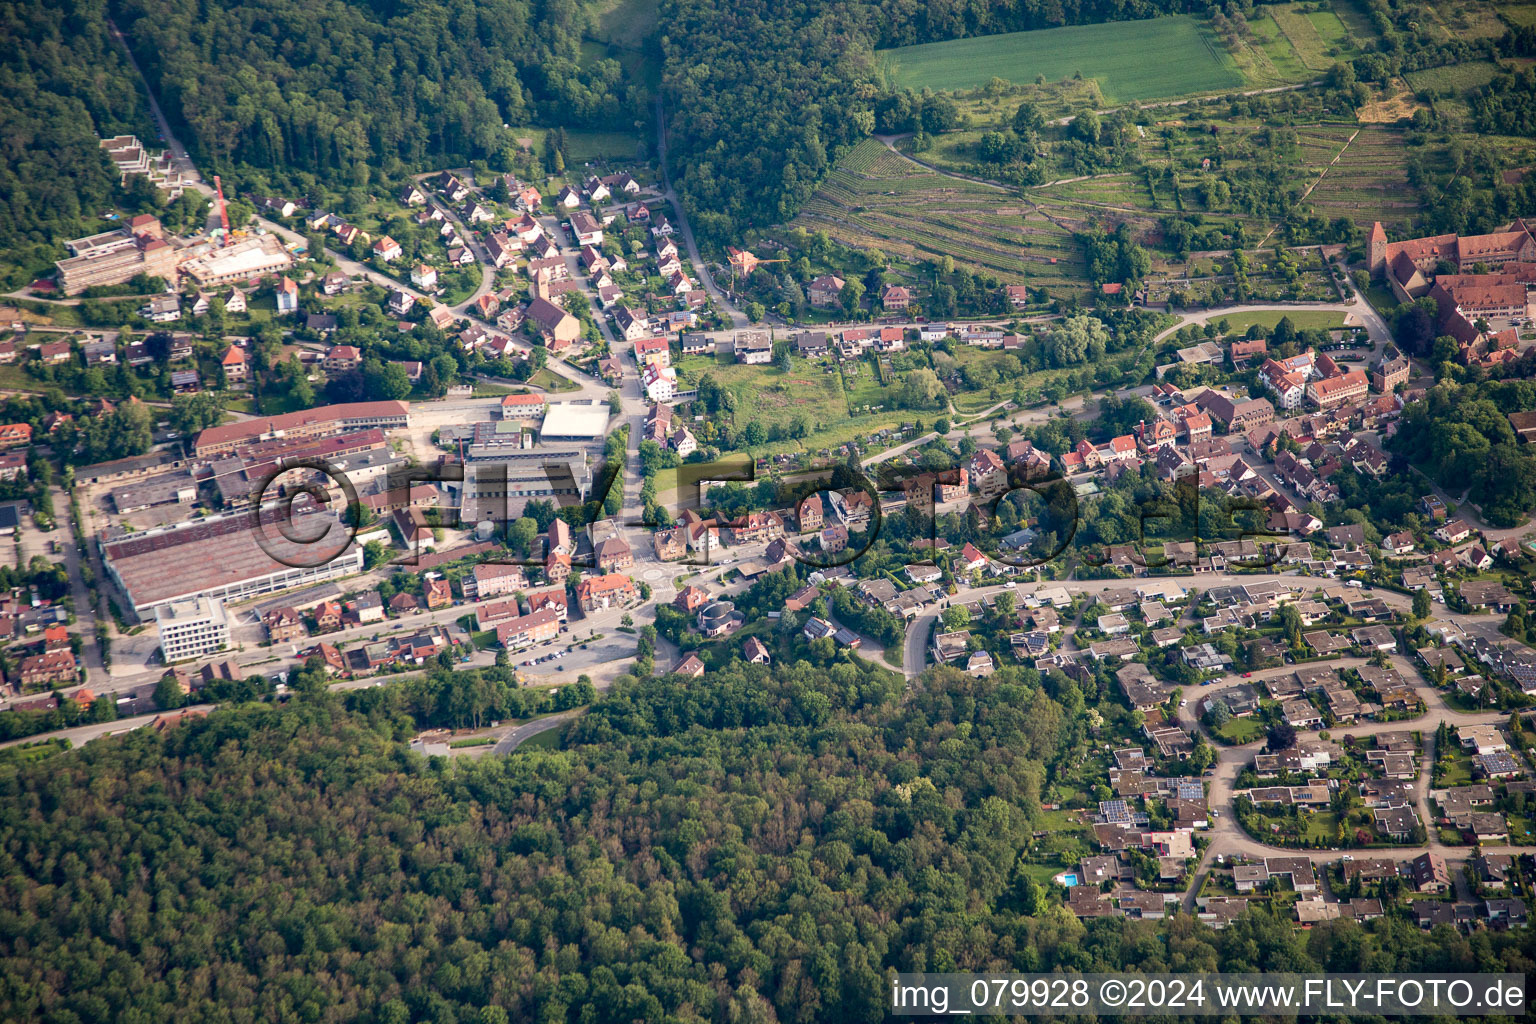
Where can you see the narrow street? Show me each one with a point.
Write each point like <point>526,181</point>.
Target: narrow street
<point>738,319</point>
<point>85,612</point>
<point>1227,837</point>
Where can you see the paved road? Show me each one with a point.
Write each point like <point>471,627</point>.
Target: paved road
<point>482,257</point>
<point>525,732</point>
<point>83,734</point>
<point>915,652</point>
<point>183,162</point>
<point>738,319</point>
<point>85,611</point>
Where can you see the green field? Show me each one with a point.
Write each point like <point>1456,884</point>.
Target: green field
<point>594,145</point>
<point>551,381</point>
<point>542,741</point>
<point>769,395</point>
<point>625,23</point>
<point>1301,319</point>
<point>1241,730</point>
<point>1453,80</point>
<point>1318,37</point>
<point>1131,60</point>
<point>1267,58</point>
<point>667,479</point>
<point>1352,13</point>
<point>584,145</point>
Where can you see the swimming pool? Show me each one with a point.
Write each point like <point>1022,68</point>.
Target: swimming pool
<point>1069,880</point>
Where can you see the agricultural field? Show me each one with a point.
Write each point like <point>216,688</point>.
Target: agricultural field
<point>1188,59</point>
<point>1352,13</point>
<point>1266,57</point>
<point>1454,80</point>
<point>1365,183</point>
<point>1318,36</point>
<point>1468,19</point>
<point>879,199</point>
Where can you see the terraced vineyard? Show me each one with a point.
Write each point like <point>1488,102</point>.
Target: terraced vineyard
<point>1367,182</point>
<point>879,199</point>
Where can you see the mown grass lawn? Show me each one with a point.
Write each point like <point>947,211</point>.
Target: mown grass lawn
<point>1301,319</point>
<point>553,382</point>
<point>1238,731</point>
<point>1455,769</point>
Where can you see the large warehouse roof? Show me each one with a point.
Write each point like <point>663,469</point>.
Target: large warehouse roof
<point>569,419</point>
<point>219,553</point>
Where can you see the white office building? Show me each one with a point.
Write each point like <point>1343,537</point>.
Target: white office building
<point>192,628</point>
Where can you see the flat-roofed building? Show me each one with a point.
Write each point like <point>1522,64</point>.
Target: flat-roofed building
<point>319,422</point>
<point>497,490</point>
<point>115,257</point>
<point>245,259</point>
<point>192,628</point>
<point>231,557</point>
<point>569,421</point>
<point>176,488</point>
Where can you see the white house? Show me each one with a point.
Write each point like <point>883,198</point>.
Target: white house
<point>387,249</point>
<point>660,382</point>
<point>287,296</point>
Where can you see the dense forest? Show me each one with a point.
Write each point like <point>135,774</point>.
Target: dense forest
<point>1507,105</point>
<point>761,96</point>
<point>1460,435</point>
<point>64,84</point>
<point>755,845</point>
<point>904,22</point>
<point>340,89</point>
<point>754,127</point>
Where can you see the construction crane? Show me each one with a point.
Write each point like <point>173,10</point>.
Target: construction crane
<point>218,187</point>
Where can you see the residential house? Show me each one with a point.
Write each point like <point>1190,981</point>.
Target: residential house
<point>826,290</point>
<point>895,297</point>
<point>612,590</point>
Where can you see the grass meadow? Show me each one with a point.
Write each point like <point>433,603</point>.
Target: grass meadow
<point>1131,60</point>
